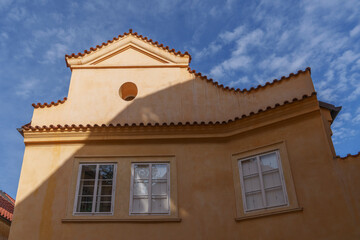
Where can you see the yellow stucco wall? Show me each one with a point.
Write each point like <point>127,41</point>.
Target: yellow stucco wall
<point>4,230</point>
<point>205,186</point>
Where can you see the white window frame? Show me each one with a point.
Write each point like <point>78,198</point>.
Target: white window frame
<point>149,187</point>
<point>257,157</point>
<point>95,189</point>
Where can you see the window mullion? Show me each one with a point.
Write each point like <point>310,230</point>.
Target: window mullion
<point>95,188</point>
<point>261,181</point>
<point>282,180</point>
<point>150,188</point>
<point>168,186</point>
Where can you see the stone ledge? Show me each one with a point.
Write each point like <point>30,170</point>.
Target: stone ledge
<point>125,220</point>
<point>298,209</point>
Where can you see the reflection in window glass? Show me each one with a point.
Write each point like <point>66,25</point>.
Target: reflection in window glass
<point>150,195</point>
<point>95,188</point>
<point>262,182</point>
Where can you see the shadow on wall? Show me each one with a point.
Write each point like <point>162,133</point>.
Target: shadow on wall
<point>48,170</point>
<point>47,175</point>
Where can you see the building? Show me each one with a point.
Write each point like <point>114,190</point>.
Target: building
<point>6,213</point>
<point>146,148</point>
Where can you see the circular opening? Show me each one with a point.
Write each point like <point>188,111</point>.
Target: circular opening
<point>128,91</point>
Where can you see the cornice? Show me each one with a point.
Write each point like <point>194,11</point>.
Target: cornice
<point>82,133</point>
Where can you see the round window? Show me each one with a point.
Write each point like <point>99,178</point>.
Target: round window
<point>128,91</point>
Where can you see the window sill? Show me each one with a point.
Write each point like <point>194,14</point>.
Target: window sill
<point>125,220</point>
<point>299,209</point>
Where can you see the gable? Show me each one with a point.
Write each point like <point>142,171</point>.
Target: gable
<point>130,55</point>
<point>129,49</point>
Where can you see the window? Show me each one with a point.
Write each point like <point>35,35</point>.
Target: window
<point>150,188</point>
<point>262,182</point>
<point>95,188</point>
<point>128,91</point>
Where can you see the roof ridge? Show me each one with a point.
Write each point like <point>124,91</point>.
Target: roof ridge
<point>204,77</point>
<point>2,193</point>
<point>81,126</point>
<point>39,105</point>
<point>130,32</point>
<point>349,155</point>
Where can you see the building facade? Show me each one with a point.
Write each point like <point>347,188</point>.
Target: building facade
<point>144,147</point>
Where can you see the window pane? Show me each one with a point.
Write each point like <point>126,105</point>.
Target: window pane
<point>249,167</point>
<point>103,204</point>
<point>141,188</point>
<point>159,171</point>
<point>274,197</point>
<point>84,204</point>
<point>269,162</point>
<point>141,171</point>
<point>104,207</point>
<point>86,188</point>
<point>272,179</point>
<point>140,205</point>
<point>105,190</point>
<point>88,171</point>
<point>160,205</point>
<point>159,187</point>
<point>252,184</point>
<point>106,171</point>
<point>105,181</point>
<point>254,201</point>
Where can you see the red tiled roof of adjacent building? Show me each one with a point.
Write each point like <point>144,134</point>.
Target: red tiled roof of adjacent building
<point>7,205</point>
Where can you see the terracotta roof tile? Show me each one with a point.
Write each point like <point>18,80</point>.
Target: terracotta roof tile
<point>349,155</point>
<point>7,205</point>
<point>28,127</point>
<point>167,48</point>
<point>308,69</point>
<point>39,105</point>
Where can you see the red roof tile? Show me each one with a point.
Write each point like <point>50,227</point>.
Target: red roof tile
<point>200,75</point>
<point>39,105</point>
<point>7,204</point>
<point>28,126</point>
<point>308,69</point>
<point>349,155</point>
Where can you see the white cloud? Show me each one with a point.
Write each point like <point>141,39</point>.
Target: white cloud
<point>26,87</point>
<point>207,51</point>
<point>253,38</point>
<point>233,35</point>
<point>242,80</point>
<point>357,118</point>
<point>234,63</point>
<point>17,14</point>
<point>5,3</point>
<point>355,31</point>
<point>4,36</point>
<point>55,52</point>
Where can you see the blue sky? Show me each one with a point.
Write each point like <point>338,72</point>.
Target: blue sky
<point>238,43</point>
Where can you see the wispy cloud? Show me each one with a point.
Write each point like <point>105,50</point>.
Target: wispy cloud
<point>26,87</point>
<point>17,14</point>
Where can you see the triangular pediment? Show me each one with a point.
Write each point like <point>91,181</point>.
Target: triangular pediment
<point>130,55</point>
<point>130,50</point>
